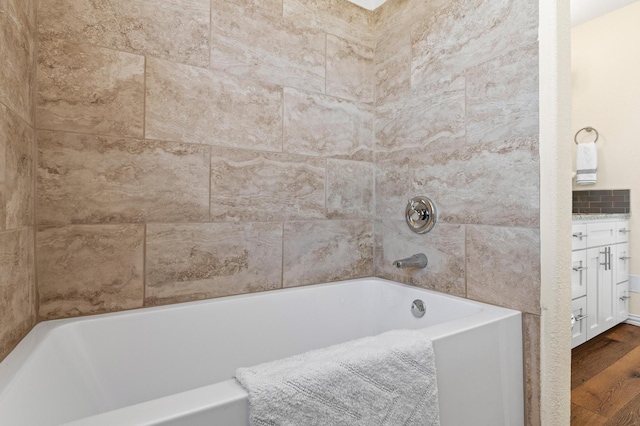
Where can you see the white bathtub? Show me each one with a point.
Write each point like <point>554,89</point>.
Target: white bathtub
<point>174,365</point>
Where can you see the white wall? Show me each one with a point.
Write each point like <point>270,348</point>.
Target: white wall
<point>605,73</point>
<point>555,216</point>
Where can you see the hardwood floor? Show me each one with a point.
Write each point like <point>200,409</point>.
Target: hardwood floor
<point>605,379</point>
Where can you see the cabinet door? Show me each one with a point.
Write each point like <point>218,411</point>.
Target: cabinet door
<point>601,301</point>
<point>622,300</point>
<point>621,262</point>
<point>601,234</point>
<point>578,273</point>
<point>579,329</point>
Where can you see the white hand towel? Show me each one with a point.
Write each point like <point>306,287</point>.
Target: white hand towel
<point>586,164</point>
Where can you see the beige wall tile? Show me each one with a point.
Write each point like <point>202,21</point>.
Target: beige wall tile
<point>17,142</point>
<point>325,251</point>
<point>17,50</point>
<point>444,247</point>
<point>190,104</point>
<point>338,17</point>
<point>249,42</point>
<point>89,269</point>
<point>199,261</point>
<point>17,287</point>
<point>322,125</point>
<point>350,72</point>
<point>349,190</point>
<point>503,266</point>
<point>273,6</point>
<point>259,186</point>
<point>394,184</point>
<point>493,184</point>
<point>429,121</point>
<point>502,97</point>
<point>84,88</point>
<point>176,30</point>
<point>531,340</point>
<point>465,33</point>
<point>393,66</point>
<point>102,179</point>
<point>394,15</point>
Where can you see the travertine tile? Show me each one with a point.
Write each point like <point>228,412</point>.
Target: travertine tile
<point>190,104</point>
<point>394,15</point>
<point>250,42</point>
<point>531,340</point>
<point>394,184</point>
<point>433,120</point>
<point>17,287</point>
<point>338,17</point>
<point>273,6</point>
<point>465,33</point>
<point>496,183</point>
<point>325,251</point>
<point>17,50</point>
<point>393,66</point>
<point>259,186</point>
<point>84,88</point>
<point>502,97</point>
<point>503,266</point>
<point>322,125</point>
<point>349,190</point>
<point>102,179</point>
<point>17,142</point>
<point>350,72</point>
<point>89,269</point>
<point>176,30</point>
<point>444,247</point>
<point>199,261</point>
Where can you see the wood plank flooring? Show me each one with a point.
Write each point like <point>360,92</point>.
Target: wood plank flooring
<point>605,379</point>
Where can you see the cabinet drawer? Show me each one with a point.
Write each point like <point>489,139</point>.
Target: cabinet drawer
<point>622,291</point>
<point>578,273</point>
<point>621,262</point>
<point>579,236</point>
<point>579,328</point>
<point>601,234</point>
<point>622,231</point>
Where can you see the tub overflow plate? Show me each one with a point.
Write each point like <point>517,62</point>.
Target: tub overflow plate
<point>418,309</point>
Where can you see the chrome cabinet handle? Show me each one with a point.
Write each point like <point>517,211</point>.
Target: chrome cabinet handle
<point>581,317</point>
<point>624,230</point>
<point>607,258</point>
<point>579,235</point>
<point>625,258</point>
<point>623,298</point>
<point>580,268</point>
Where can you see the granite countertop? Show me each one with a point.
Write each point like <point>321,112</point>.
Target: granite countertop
<point>613,216</point>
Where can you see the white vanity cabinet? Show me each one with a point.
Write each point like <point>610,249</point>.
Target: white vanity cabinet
<point>599,277</point>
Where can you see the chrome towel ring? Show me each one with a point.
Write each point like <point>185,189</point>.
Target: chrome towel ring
<point>588,129</point>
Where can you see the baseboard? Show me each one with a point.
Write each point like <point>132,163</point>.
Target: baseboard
<point>633,319</point>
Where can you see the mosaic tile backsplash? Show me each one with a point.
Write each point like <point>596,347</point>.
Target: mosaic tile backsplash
<point>602,201</point>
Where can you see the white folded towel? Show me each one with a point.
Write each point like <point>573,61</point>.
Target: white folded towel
<point>389,379</point>
<point>586,164</point>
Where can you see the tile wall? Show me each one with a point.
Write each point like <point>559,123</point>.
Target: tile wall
<point>457,120</point>
<point>200,148</point>
<point>196,148</point>
<point>602,201</point>
<point>17,148</point>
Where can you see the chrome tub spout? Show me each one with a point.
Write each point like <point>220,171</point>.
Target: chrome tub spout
<point>416,261</point>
